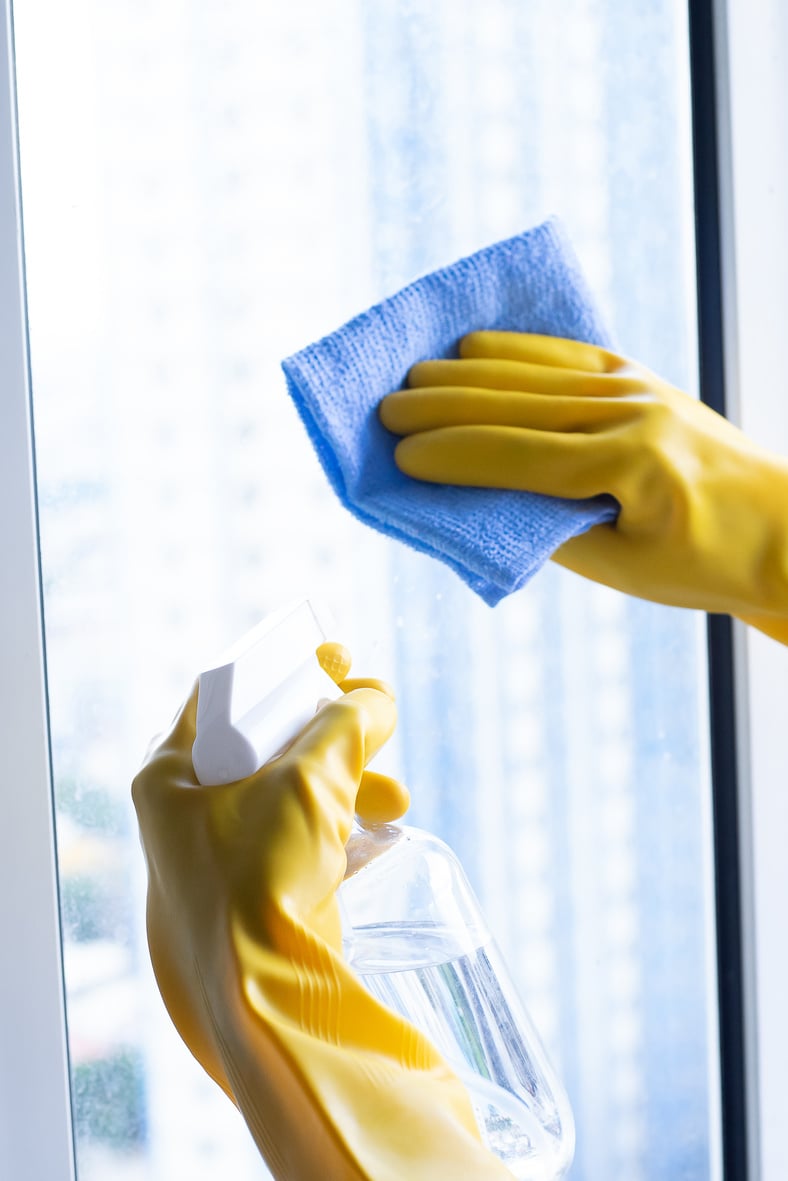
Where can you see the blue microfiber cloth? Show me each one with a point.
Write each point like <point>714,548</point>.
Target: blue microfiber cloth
<point>495,540</point>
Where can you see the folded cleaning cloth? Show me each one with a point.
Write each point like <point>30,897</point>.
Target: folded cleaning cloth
<point>495,540</point>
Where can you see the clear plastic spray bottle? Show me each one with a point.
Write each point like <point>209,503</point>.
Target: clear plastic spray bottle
<point>413,930</point>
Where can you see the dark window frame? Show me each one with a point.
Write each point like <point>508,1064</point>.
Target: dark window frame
<point>726,790</point>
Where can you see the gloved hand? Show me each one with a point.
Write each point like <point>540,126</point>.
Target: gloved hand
<point>704,511</point>
<point>244,935</point>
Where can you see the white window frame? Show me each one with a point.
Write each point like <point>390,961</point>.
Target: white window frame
<point>752,105</point>
<point>36,1137</point>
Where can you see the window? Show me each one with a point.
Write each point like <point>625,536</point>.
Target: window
<point>212,189</point>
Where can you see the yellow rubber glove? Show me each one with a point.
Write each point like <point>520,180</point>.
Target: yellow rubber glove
<point>244,935</point>
<point>704,511</point>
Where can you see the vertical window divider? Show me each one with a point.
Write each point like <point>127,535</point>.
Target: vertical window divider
<point>727,641</point>
<point>751,43</point>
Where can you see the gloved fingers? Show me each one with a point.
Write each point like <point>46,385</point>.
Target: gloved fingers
<point>574,465</point>
<point>408,412</point>
<point>321,772</point>
<point>168,759</point>
<point>183,726</point>
<point>555,351</point>
<point>345,734</point>
<point>526,377</point>
<point>336,661</point>
<point>351,683</point>
<point>381,799</point>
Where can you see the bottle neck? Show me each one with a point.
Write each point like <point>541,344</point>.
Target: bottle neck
<point>368,841</point>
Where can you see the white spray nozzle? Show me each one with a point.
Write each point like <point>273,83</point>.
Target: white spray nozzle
<point>257,697</point>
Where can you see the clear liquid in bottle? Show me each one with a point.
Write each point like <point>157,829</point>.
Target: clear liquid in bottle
<point>416,937</point>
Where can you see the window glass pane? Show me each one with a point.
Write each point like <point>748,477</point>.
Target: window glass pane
<point>208,188</point>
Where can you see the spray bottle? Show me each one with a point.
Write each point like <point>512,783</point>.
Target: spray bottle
<point>413,930</point>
